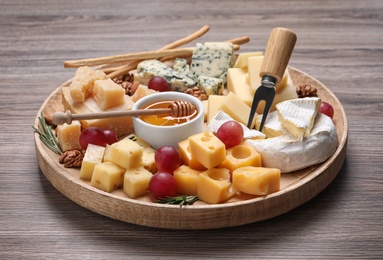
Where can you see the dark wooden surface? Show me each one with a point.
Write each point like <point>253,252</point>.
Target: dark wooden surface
<point>339,43</point>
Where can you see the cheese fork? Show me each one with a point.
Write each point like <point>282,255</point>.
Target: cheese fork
<point>277,55</point>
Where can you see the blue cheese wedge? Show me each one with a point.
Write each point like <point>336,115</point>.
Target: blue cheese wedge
<point>212,59</point>
<point>211,86</point>
<point>181,66</point>
<point>150,68</point>
<point>293,154</point>
<point>297,115</point>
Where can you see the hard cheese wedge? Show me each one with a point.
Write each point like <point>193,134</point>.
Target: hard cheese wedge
<point>297,116</point>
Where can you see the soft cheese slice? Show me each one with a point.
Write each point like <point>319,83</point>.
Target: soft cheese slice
<point>272,126</point>
<point>297,115</point>
<point>288,154</point>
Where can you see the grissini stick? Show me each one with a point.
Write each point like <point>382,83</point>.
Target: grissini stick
<point>179,108</point>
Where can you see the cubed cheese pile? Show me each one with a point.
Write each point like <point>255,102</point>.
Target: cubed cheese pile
<point>128,164</point>
<point>215,174</point>
<point>91,92</point>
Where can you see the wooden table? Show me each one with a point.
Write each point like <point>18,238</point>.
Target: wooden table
<point>339,43</point>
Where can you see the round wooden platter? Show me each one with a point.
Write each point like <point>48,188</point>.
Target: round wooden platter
<point>296,188</point>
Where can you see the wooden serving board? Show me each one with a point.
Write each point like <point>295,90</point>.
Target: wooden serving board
<point>296,188</point>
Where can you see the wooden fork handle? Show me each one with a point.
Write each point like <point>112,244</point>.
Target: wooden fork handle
<point>278,52</point>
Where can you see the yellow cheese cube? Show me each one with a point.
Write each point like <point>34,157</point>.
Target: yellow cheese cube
<point>214,186</point>
<point>68,136</point>
<point>242,60</point>
<point>136,182</point>
<point>236,108</point>
<point>257,180</point>
<point>207,149</point>
<point>81,86</point>
<point>236,83</point>
<point>239,156</point>
<point>147,160</point>
<point>93,155</point>
<point>187,158</point>
<point>125,153</point>
<point>107,176</point>
<point>214,104</point>
<point>138,140</point>
<point>187,180</point>
<point>108,94</point>
<point>121,126</point>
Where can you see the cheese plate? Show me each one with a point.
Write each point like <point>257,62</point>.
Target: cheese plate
<point>296,187</point>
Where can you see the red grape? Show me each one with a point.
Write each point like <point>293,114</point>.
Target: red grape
<point>92,135</point>
<point>327,109</point>
<point>230,133</point>
<point>162,185</point>
<point>110,136</point>
<point>167,159</point>
<point>158,83</point>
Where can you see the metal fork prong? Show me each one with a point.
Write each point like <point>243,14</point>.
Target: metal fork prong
<point>264,115</point>
<point>252,112</point>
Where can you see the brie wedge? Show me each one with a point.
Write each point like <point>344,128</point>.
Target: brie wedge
<point>272,126</point>
<point>288,154</point>
<point>297,115</point>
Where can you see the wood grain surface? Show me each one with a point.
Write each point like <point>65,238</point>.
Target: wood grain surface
<point>339,43</point>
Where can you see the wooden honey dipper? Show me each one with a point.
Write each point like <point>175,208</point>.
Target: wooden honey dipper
<point>179,108</point>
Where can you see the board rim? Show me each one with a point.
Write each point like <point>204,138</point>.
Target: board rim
<point>214,216</point>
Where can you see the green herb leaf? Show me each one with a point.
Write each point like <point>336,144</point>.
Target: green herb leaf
<point>47,135</point>
<point>181,200</point>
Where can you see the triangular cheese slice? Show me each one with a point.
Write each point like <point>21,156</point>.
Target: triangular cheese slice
<point>297,116</point>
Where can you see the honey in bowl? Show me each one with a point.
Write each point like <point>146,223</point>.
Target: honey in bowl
<point>165,119</point>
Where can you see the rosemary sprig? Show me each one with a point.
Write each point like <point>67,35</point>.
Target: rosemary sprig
<point>180,200</point>
<point>47,136</point>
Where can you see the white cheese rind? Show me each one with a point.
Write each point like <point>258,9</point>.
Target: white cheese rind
<point>297,115</point>
<point>293,155</point>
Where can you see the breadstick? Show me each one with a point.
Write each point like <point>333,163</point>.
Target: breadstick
<point>125,57</point>
<point>175,44</point>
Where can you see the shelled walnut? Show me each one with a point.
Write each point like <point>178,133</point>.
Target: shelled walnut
<point>71,159</point>
<point>127,82</point>
<point>196,92</point>
<point>306,91</point>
